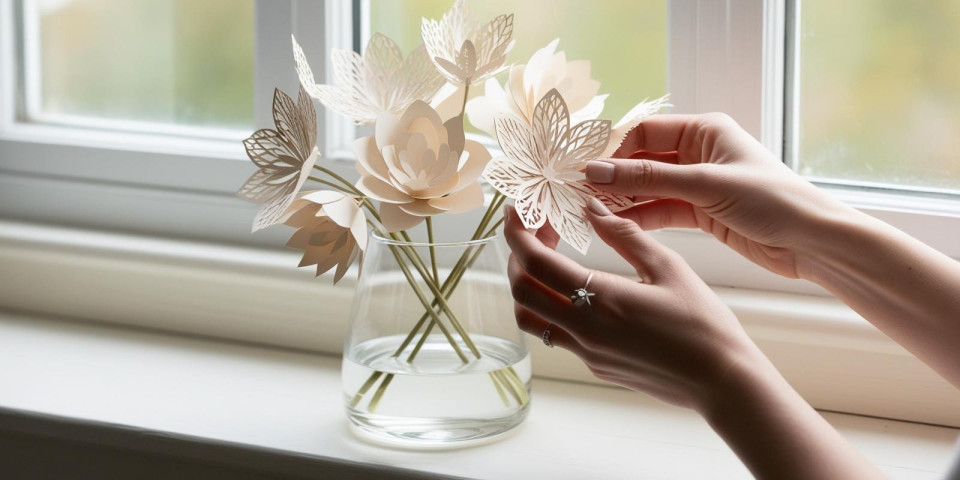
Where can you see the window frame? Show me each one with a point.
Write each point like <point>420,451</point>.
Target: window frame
<point>728,55</point>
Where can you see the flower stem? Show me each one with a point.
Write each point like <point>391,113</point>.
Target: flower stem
<point>433,252</point>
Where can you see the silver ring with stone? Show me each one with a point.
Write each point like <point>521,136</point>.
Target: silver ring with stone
<point>581,296</point>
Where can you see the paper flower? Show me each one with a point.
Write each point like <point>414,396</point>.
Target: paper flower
<point>284,157</point>
<point>542,170</point>
<point>464,51</point>
<point>630,121</point>
<point>379,81</point>
<point>417,166</point>
<point>331,230</point>
<point>528,83</point>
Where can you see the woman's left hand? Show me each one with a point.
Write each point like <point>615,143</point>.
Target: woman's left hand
<point>667,335</point>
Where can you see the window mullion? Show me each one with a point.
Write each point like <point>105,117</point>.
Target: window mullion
<point>717,61</point>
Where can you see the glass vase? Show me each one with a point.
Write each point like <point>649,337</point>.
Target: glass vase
<point>433,356</point>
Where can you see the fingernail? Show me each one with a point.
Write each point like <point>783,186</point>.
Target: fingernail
<point>597,207</point>
<point>506,210</point>
<point>599,172</point>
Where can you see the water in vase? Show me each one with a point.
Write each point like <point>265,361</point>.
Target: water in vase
<point>436,399</point>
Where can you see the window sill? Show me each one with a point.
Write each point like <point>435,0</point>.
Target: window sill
<point>834,358</point>
<point>233,406</point>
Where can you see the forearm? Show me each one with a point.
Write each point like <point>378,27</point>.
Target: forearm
<point>905,288</point>
<point>776,433</point>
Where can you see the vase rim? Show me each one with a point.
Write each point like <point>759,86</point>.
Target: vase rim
<point>463,243</point>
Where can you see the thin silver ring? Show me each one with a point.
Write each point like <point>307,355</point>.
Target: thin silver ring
<point>581,296</point>
<point>546,336</point>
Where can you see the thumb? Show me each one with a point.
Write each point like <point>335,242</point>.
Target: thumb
<point>636,246</point>
<point>648,178</point>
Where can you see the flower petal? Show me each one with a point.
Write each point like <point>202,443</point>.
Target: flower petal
<point>462,200</point>
<point>381,191</point>
<point>369,156</point>
<point>395,219</point>
<point>421,208</point>
<point>477,158</point>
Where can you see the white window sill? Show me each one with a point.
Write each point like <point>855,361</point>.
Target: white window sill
<point>225,403</point>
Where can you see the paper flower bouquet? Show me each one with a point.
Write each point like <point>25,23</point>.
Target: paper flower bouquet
<point>419,164</point>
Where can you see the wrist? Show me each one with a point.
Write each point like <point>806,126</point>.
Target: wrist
<point>829,235</point>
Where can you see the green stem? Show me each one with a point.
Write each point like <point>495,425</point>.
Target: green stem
<point>364,388</point>
<point>423,299</point>
<point>433,252</point>
<point>375,401</point>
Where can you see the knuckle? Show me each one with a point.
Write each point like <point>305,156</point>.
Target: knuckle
<point>717,119</point>
<point>641,174</point>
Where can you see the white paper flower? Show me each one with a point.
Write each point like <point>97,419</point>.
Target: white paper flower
<point>418,166</point>
<point>331,230</point>
<point>284,157</point>
<point>379,81</point>
<point>464,51</point>
<point>542,170</point>
<point>629,121</point>
<point>528,83</point>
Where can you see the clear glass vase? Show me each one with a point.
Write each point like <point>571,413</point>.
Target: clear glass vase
<point>433,357</point>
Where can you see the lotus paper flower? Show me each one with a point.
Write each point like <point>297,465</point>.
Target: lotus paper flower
<point>528,83</point>
<point>464,51</point>
<point>418,166</point>
<point>284,157</point>
<point>331,230</point>
<point>542,169</point>
<point>379,81</point>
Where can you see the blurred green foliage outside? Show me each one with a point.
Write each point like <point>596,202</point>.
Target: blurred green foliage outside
<point>880,91</point>
<point>187,62</point>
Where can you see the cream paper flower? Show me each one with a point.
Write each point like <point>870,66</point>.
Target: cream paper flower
<point>630,121</point>
<point>543,169</point>
<point>417,166</point>
<point>379,81</point>
<point>528,83</point>
<point>464,51</point>
<point>331,230</point>
<point>284,157</point>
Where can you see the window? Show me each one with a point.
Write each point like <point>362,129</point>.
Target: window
<point>879,93</point>
<point>177,177</point>
<point>140,65</point>
<point>600,33</point>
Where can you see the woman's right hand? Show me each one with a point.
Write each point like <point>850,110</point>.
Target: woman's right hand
<point>705,171</point>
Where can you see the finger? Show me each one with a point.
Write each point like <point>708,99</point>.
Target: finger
<point>541,262</point>
<point>540,299</point>
<point>535,325</point>
<point>637,247</point>
<point>660,133</point>
<point>693,183</point>
<point>663,213</point>
<point>645,155</point>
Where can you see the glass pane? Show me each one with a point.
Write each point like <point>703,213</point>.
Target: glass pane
<point>880,91</point>
<point>625,40</point>
<point>183,62</point>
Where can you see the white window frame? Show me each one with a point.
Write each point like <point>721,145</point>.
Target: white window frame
<point>724,55</point>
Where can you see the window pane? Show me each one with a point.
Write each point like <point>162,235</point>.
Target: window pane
<point>183,62</point>
<point>880,91</point>
<point>625,40</point>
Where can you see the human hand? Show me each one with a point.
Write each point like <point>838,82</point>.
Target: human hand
<point>704,171</point>
<point>669,336</point>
